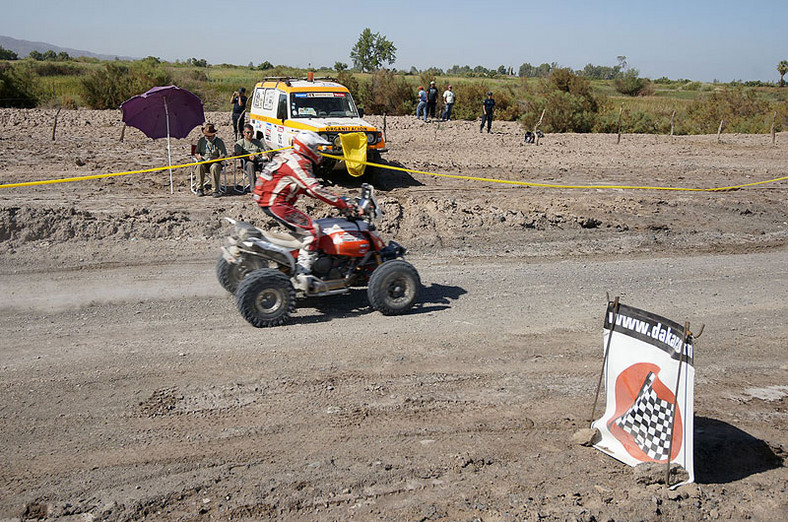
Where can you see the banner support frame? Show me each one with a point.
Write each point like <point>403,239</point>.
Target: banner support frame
<point>604,359</point>
<point>687,333</point>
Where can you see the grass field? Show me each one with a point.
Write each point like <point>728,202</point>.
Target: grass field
<point>61,84</point>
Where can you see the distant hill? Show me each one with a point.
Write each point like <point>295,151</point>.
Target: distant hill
<point>23,48</point>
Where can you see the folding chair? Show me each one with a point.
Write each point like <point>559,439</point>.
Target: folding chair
<point>245,185</point>
<point>208,178</point>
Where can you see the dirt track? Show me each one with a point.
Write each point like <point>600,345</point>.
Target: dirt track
<point>132,388</point>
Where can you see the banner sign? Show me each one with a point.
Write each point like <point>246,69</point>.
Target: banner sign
<point>649,386</point>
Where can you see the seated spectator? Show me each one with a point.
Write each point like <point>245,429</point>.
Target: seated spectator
<point>209,147</point>
<point>250,145</point>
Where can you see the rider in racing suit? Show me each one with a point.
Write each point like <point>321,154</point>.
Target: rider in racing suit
<point>279,186</point>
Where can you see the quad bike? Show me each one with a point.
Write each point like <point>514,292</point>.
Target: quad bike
<point>259,266</point>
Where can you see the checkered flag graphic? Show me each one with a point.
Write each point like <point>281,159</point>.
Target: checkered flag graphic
<point>648,420</point>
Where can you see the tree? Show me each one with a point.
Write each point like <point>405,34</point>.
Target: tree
<point>197,62</point>
<point>782,68</point>
<point>372,51</point>
<point>340,66</point>
<point>7,54</point>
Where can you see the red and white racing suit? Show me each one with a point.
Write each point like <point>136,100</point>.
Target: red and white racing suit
<point>278,188</point>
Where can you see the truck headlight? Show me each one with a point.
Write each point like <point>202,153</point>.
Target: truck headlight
<point>372,138</point>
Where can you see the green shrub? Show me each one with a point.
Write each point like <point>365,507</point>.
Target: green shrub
<point>742,110</point>
<point>386,92</point>
<point>569,102</point>
<point>468,101</point>
<point>108,87</point>
<point>17,88</point>
<point>56,69</point>
<point>631,84</point>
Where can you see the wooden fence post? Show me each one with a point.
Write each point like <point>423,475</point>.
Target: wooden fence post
<point>538,123</point>
<point>54,125</point>
<point>774,120</point>
<point>719,131</point>
<point>620,110</point>
<point>672,116</point>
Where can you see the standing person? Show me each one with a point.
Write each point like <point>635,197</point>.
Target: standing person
<point>432,99</point>
<point>448,101</point>
<point>487,111</point>
<point>209,147</point>
<point>249,145</point>
<point>281,183</point>
<point>238,100</point>
<point>422,106</point>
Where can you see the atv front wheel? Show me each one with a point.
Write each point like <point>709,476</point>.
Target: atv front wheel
<point>230,275</point>
<point>393,287</point>
<point>266,297</point>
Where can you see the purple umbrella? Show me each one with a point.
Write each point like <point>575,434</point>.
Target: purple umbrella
<point>164,112</point>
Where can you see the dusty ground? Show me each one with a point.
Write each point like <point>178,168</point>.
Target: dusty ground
<point>132,388</point>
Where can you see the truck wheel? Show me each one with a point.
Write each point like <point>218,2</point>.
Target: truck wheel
<point>266,297</point>
<point>230,275</point>
<point>393,287</point>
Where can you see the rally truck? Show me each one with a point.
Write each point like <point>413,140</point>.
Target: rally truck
<point>282,107</point>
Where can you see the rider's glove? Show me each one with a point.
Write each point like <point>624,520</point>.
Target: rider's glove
<point>352,210</point>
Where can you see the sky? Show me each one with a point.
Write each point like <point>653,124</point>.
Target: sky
<point>702,40</point>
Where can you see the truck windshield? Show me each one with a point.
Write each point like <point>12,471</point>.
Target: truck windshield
<point>323,105</point>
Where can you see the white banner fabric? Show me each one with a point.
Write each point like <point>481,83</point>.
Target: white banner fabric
<point>646,357</point>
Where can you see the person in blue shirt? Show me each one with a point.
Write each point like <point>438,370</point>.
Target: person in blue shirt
<point>487,111</point>
<point>422,106</point>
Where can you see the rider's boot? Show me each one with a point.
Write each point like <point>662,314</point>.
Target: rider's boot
<point>306,258</point>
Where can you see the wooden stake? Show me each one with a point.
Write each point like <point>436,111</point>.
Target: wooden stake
<point>719,131</point>
<point>538,123</point>
<point>54,125</point>
<point>774,120</point>
<point>672,116</point>
<point>676,400</point>
<point>122,132</point>
<point>604,359</point>
<point>619,124</point>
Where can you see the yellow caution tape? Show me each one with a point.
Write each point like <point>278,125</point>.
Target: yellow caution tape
<point>550,185</point>
<point>414,171</point>
<point>155,169</point>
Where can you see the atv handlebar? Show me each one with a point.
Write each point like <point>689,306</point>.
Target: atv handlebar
<point>363,207</point>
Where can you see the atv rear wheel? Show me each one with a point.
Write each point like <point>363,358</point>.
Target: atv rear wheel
<point>393,287</point>
<point>266,297</point>
<point>230,275</point>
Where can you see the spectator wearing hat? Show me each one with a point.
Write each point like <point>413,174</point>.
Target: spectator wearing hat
<point>238,100</point>
<point>422,106</point>
<point>432,99</point>
<point>209,147</point>
<point>487,111</point>
<point>448,103</point>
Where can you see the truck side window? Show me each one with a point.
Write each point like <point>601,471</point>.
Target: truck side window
<point>281,111</point>
<point>257,101</point>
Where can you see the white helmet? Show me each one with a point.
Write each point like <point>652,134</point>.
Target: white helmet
<point>306,143</point>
